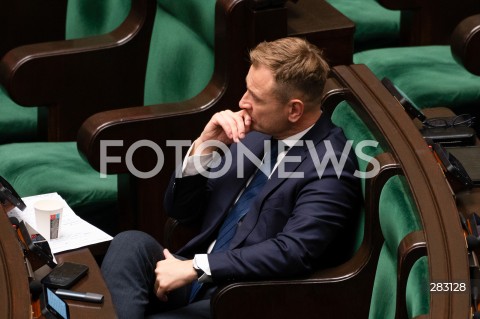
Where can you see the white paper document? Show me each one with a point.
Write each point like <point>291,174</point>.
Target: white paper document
<point>74,231</point>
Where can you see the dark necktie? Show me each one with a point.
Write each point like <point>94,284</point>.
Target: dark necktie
<point>240,208</point>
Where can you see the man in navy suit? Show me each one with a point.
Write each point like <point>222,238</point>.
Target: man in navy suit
<point>297,219</point>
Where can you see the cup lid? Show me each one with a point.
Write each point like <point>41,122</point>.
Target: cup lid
<point>48,204</point>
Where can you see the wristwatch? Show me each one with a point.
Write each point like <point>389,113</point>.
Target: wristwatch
<point>198,270</point>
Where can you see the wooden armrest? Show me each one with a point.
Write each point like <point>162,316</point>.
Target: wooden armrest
<point>465,44</point>
<point>157,123</point>
<point>435,203</point>
<point>77,78</point>
<point>31,21</point>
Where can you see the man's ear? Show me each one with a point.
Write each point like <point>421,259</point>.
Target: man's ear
<point>295,110</point>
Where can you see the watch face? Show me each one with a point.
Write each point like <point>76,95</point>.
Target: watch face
<point>199,271</point>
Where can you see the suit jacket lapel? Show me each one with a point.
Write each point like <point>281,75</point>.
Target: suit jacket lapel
<point>314,136</point>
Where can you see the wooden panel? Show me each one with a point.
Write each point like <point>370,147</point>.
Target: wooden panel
<point>14,289</point>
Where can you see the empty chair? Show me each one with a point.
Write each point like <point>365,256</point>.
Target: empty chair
<point>180,65</point>
<point>429,75</point>
<point>83,19</point>
<point>387,23</point>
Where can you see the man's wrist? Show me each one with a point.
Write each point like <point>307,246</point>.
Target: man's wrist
<point>200,149</point>
<point>202,269</point>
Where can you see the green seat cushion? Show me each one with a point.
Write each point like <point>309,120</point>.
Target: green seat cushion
<point>398,217</point>
<point>375,26</point>
<point>17,123</point>
<point>43,167</point>
<point>356,130</point>
<point>428,75</point>
<point>181,57</point>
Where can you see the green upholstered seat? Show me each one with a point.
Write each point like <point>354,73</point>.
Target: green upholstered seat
<point>375,26</point>
<point>175,73</point>
<point>46,167</point>
<point>398,217</point>
<point>84,18</point>
<point>357,131</point>
<point>428,75</point>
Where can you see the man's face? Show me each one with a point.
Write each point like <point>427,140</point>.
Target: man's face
<point>269,115</point>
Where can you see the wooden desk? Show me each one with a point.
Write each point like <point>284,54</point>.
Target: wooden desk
<point>324,26</point>
<point>14,287</point>
<point>93,282</point>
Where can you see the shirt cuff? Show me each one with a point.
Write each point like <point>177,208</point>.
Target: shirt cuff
<point>201,261</point>
<point>195,164</point>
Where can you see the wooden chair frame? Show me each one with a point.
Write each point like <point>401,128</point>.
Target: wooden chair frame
<point>435,204</point>
<point>59,75</point>
<point>465,44</point>
<point>430,22</point>
<point>234,36</point>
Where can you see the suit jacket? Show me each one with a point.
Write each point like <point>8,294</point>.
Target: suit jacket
<point>294,225</point>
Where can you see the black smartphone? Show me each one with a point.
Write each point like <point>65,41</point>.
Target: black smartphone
<point>65,275</point>
<point>450,136</point>
<point>453,169</point>
<point>53,307</point>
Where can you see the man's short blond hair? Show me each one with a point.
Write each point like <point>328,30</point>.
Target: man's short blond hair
<point>296,64</point>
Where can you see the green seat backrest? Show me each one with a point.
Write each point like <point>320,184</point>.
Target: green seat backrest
<point>375,26</point>
<point>94,17</point>
<point>398,217</point>
<point>181,57</point>
<point>357,131</point>
<point>417,299</point>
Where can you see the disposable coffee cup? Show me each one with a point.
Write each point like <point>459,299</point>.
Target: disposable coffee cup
<point>48,216</point>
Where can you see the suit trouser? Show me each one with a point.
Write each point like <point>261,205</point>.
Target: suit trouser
<point>129,272</point>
